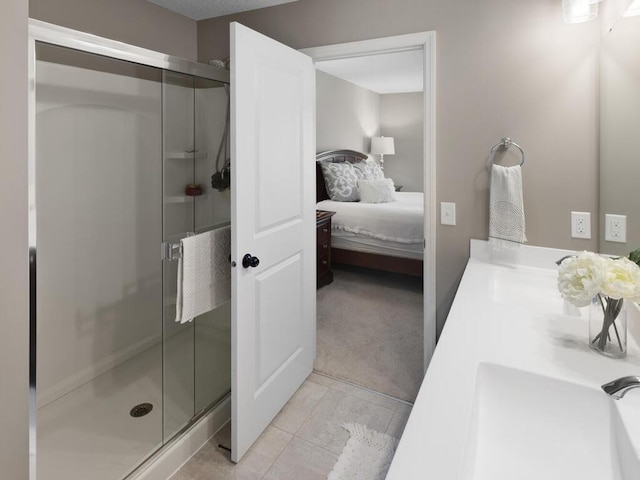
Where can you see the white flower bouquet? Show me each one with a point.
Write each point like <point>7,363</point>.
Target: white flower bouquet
<point>603,282</point>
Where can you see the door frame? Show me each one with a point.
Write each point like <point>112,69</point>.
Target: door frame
<point>425,41</point>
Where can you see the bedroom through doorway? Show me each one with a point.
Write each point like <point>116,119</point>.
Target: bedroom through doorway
<point>374,318</point>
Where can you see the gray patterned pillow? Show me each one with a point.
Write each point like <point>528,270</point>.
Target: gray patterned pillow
<point>368,170</point>
<point>341,181</point>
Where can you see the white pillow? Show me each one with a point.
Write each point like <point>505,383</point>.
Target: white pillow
<point>376,191</point>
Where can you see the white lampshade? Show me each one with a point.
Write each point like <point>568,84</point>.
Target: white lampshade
<point>634,9</point>
<point>382,146</point>
<point>578,11</point>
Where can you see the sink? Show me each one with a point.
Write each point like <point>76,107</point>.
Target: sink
<point>527,426</point>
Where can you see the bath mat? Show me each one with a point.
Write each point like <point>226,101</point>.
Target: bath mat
<point>366,456</point>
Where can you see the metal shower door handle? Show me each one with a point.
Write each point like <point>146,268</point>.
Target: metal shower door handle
<point>170,251</point>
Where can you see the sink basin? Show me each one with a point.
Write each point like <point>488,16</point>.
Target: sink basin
<point>526,426</point>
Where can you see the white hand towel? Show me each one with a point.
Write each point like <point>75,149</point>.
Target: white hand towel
<point>204,274</point>
<point>506,207</point>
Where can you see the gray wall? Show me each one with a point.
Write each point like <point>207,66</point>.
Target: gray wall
<point>347,115</point>
<point>136,22</point>
<point>402,117</point>
<point>14,284</point>
<point>504,68</point>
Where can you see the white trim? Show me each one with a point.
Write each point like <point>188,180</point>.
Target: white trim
<point>425,41</point>
<point>429,182</point>
<point>375,46</point>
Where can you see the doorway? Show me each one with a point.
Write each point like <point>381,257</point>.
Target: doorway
<point>392,50</point>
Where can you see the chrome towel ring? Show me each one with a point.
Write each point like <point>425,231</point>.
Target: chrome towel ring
<point>504,143</point>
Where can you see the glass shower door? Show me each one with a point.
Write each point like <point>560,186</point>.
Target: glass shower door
<point>99,279</point>
<point>119,147</point>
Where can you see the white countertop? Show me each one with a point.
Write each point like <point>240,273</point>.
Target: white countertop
<point>507,311</point>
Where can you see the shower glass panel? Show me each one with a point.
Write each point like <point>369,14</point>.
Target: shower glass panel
<point>178,222</point>
<point>197,356</point>
<point>212,330</point>
<point>99,278</point>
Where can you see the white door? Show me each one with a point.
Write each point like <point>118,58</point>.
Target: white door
<point>273,220</point>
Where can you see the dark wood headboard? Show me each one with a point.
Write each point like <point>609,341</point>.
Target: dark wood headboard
<point>335,156</point>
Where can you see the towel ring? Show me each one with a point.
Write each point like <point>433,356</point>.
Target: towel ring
<point>504,143</point>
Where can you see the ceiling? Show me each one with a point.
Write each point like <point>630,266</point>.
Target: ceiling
<point>397,72</point>
<point>202,9</point>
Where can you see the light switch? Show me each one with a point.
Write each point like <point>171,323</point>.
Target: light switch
<point>447,213</point>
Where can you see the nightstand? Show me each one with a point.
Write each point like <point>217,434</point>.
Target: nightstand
<point>323,247</point>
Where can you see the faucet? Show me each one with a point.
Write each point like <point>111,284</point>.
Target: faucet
<point>619,387</point>
<point>558,262</point>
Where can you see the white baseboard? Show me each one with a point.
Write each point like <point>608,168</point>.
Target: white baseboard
<point>172,456</point>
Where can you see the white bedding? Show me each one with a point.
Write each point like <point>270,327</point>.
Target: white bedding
<point>359,243</point>
<point>400,221</point>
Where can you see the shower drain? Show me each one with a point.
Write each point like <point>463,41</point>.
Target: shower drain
<point>141,410</point>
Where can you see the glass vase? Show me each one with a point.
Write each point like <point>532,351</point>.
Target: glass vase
<point>608,326</point>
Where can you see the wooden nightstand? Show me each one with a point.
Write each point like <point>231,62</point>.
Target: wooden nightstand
<point>323,247</point>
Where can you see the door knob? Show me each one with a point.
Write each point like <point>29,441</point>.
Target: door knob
<point>250,261</point>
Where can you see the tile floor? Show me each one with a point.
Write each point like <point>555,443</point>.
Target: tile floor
<point>306,437</point>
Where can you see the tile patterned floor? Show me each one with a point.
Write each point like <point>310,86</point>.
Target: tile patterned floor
<point>306,437</point>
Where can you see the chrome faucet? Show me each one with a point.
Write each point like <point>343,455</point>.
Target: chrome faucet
<point>558,262</point>
<point>618,388</point>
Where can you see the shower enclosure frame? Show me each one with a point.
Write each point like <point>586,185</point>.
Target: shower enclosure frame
<point>44,32</point>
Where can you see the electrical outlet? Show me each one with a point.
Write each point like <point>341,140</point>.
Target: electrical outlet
<point>581,225</point>
<point>447,213</point>
<point>615,228</point>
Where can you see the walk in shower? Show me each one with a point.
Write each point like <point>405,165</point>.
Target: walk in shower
<point>120,149</point>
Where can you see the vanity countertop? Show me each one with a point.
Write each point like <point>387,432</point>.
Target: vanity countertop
<point>507,312</point>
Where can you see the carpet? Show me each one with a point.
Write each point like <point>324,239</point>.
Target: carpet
<point>367,455</point>
<point>370,331</point>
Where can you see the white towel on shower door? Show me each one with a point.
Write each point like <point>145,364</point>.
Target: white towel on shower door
<point>204,273</point>
<point>506,206</point>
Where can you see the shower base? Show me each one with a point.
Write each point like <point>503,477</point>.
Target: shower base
<point>90,433</point>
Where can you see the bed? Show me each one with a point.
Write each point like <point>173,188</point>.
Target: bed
<point>382,236</point>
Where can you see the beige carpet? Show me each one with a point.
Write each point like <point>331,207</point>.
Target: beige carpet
<point>370,331</point>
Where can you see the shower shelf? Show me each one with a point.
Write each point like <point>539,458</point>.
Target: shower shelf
<point>185,155</point>
<point>182,198</point>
